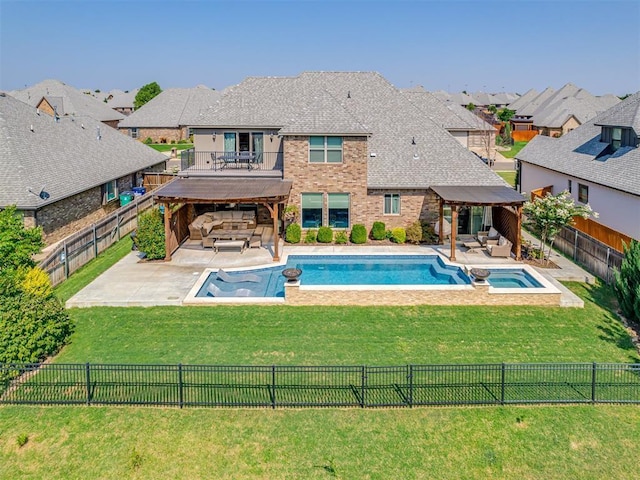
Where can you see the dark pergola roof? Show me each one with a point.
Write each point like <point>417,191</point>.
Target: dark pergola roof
<point>479,195</point>
<point>224,190</point>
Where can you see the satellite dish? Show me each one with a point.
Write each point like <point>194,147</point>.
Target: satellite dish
<point>44,195</point>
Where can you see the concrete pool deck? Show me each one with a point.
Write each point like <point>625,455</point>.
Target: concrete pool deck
<point>132,282</point>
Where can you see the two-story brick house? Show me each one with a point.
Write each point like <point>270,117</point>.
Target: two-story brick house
<point>353,148</point>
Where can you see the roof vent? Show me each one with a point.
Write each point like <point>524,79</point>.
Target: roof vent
<point>98,135</point>
<point>31,128</point>
<point>37,111</point>
<point>349,94</point>
<point>413,140</point>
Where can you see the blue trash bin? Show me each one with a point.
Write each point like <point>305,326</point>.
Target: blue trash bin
<point>139,191</point>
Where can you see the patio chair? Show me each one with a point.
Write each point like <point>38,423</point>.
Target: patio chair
<point>501,249</point>
<point>245,277</point>
<point>488,236</point>
<point>238,292</point>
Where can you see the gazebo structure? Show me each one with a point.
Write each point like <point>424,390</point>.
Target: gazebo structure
<point>486,196</point>
<point>180,195</point>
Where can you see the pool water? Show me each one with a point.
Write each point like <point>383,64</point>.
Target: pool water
<point>365,270</point>
<point>512,278</point>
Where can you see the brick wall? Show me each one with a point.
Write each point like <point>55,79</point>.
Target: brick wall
<point>160,135</point>
<point>65,217</point>
<point>367,205</point>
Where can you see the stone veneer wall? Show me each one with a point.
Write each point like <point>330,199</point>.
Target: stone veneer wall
<point>477,295</point>
<point>350,176</point>
<point>65,217</point>
<point>159,134</point>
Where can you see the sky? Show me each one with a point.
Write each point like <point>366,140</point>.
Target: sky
<point>442,45</point>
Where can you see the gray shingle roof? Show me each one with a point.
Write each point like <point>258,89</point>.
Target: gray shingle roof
<point>64,156</point>
<point>120,99</point>
<point>523,100</point>
<point>626,115</point>
<point>575,153</point>
<point>448,115</point>
<point>75,103</point>
<point>172,108</point>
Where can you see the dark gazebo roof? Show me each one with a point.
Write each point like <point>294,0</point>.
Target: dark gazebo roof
<point>224,190</point>
<point>479,195</point>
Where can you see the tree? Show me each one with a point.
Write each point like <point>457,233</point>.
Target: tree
<point>150,234</point>
<point>547,215</point>
<point>627,283</point>
<point>492,109</point>
<point>146,93</point>
<point>471,107</point>
<point>504,114</point>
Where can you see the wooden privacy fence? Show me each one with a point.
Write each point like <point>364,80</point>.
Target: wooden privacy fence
<point>596,257</point>
<point>153,180</point>
<point>357,386</point>
<point>81,247</point>
<point>523,135</point>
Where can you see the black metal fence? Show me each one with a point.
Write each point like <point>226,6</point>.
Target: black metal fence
<point>319,386</point>
<point>231,161</point>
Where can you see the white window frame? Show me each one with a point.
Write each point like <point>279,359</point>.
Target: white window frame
<point>391,197</point>
<point>106,197</point>
<point>133,132</point>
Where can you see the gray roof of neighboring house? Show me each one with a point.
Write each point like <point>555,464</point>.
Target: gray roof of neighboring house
<point>448,115</point>
<point>172,108</point>
<point>66,157</point>
<point>523,100</point>
<point>120,99</point>
<point>576,153</point>
<point>74,102</point>
<point>528,109</point>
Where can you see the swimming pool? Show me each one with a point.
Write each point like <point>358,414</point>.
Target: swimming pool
<point>346,270</point>
<point>512,278</point>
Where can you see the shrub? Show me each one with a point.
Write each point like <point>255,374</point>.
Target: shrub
<point>293,233</point>
<point>150,234</point>
<point>414,233</point>
<point>399,235</point>
<point>325,235</point>
<point>388,235</point>
<point>148,140</point>
<point>429,234</point>
<point>37,282</point>
<point>358,234</point>
<point>32,328</point>
<point>182,142</point>
<point>378,231</point>
<point>310,237</point>
<point>341,237</point>
<point>22,439</point>
<point>627,283</point>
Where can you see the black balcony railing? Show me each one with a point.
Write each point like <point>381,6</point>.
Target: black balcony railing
<point>230,161</point>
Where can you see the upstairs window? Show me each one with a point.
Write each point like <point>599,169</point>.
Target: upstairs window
<point>133,132</point>
<point>569,186</point>
<point>583,193</point>
<point>325,149</point>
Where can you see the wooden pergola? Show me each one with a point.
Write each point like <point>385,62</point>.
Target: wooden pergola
<point>270,192</point>
<point>481,196</point>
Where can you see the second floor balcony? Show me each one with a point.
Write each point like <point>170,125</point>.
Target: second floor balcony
<point>203,163</point>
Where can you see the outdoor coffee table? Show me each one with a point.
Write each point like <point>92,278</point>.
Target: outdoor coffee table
<point>473,246</point>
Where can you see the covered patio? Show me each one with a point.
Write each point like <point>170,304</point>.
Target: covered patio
<point>484,196</point>
<point>180,196</point>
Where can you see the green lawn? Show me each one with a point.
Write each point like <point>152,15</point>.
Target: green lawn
<point>516,147</point>
<point>509,176</point>
<point>349,335</point>
<point>166,147</point>
<point>559,442</point>
<point>551,442</point>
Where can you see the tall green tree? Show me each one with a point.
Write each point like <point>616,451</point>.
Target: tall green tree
<point>146,93</point>
<point>547,215</point>
<point>627,283</point>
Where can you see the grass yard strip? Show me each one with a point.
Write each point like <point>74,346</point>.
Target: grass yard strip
<point>509,176</point>
<point>514,150</point>
<point>85,275</point>
<point>166,147</point>
<point>559,442</point>
<point>284,335</point>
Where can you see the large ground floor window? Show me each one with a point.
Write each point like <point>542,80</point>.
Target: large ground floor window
<point>469,219</point>
<point>338,204</point>
<point>312,210</point>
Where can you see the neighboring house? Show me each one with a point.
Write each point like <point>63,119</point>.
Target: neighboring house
<point>60,100</point>
<point>120,101</point>
<point>468,128</point>
<point>349,146</point>
<point>555,113</point>
<point>598,162</point>
<point>66,174</point>
<point>166,117</point>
